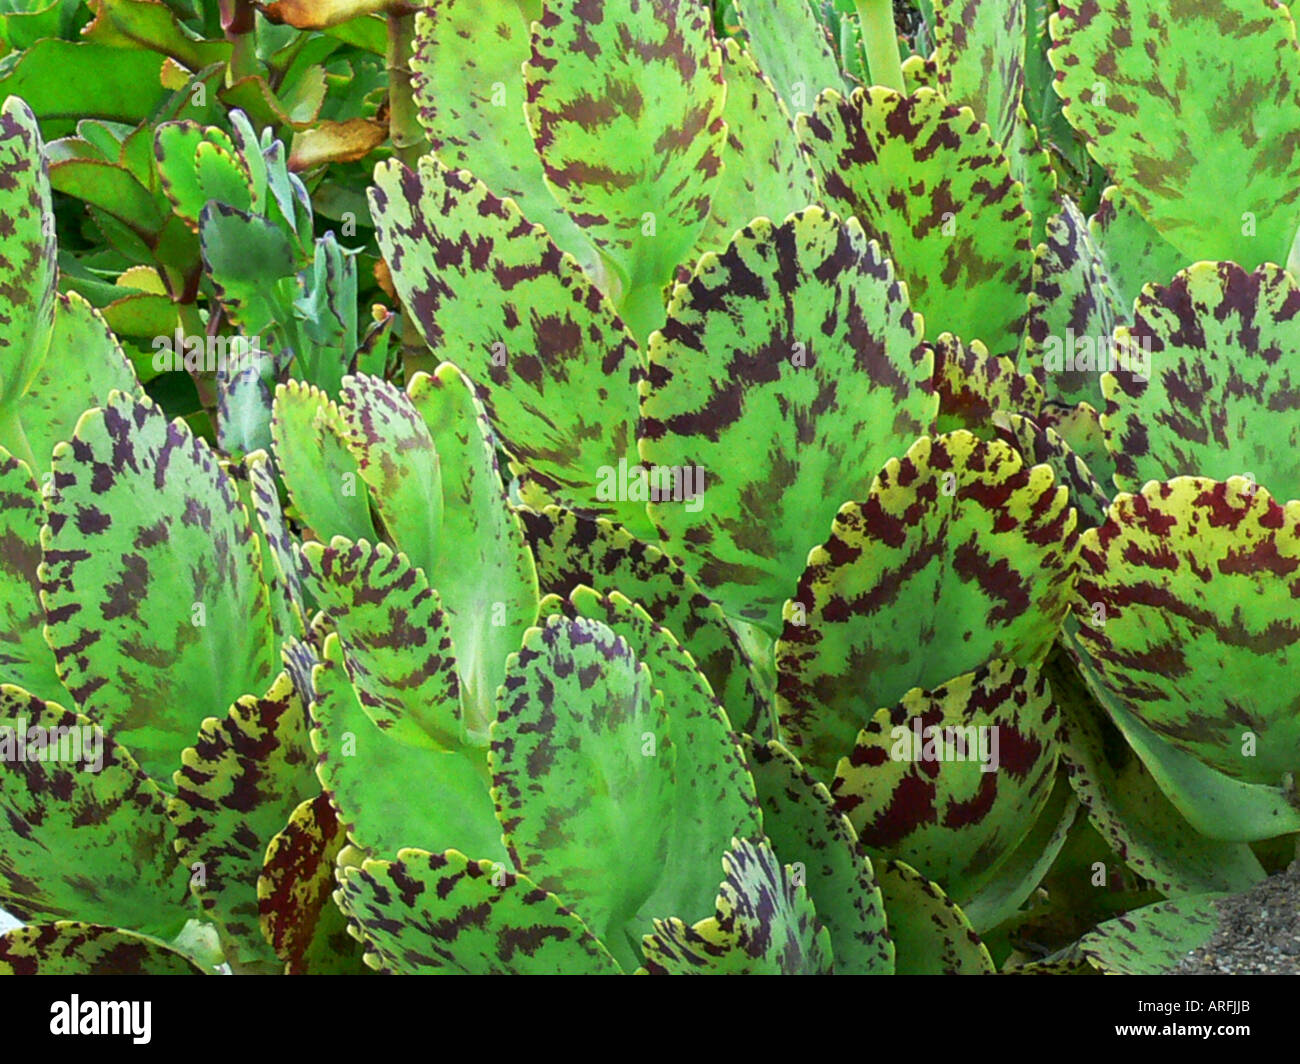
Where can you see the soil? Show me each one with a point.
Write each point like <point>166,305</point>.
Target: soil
<point>1259,933</point>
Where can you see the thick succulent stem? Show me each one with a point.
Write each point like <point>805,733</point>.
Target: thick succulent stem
<point>880,42</point>
<point>407,137</point>
<point>239,22</point>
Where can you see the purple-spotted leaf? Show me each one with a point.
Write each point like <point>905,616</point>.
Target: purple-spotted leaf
<point>397,646</point>
<point>764,170</point>
<point>1185,598</point>
<point>1219,343</point>
<point>713,797</point>
<point>789,370</point>
<point>279,565</point>
<point>86,834</point>
<point>605,75</point>
<point>792,49</point>
<point>467,78</point>
<point>1135,254</point>
<point>67,947</point>
<point>932,936</point>
<point>483,571</point>
<point>953,780</point>
<point>980,52</point>
<point>584,773</point>
<point>236,787</point>
<point>388,793</point>
<point>927,180</point>
<point>1154,940</point>
<point>26,659</point>
<point>324,483</point>
<point>765,925</point>
<point>151,580</point>
<point>83,364</point>
<point>1145,82</point>
<point>959,554</point>
<point>1073,312</point>
<point>28,271</point>
<point>491,292</point>
<point>1128,809</point>
<point>808,832</point>
<point>973,387</point>
<point>1044,445</point>
<point>426,913</point>
<point>574,551</point>
<point>296,895</point>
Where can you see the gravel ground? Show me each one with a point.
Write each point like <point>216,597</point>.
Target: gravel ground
<point>1260,933</point>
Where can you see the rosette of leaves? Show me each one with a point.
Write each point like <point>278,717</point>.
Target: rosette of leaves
<point>290,294</point>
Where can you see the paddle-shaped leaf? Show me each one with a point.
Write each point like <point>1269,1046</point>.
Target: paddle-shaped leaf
<point>789,371</point>
<point>493,293</point>
<point>980,51</point>
<point>952,780</point>
<point>1219,342</point>
<point>792,49</point>
<point>927,180</point>
<point>605,75</point>
<point>86,834</point>
<point>67,947</point>
<point>959,554</point>
<point>151,580</point>
<point>236,787</point>
<point>1184,599</point>
<point>932,936</point>
<point>1146,82</point>
<point>440,912</point>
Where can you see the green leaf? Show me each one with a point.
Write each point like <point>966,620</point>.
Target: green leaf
<point>973,387</point>
<point>253,267</point>
<point>1183,599</point>
<point>370,777</point>
<point>806,830</point>
<point>603,76</point>
<point>959,554</point>
<point>792,49</point>
<point>295,895</point>
<point>25,657</point>
<point>789,370</point>
<point>713,797</point>
<point>236,787</point>
<point>397,646</point>
<point>114,84</point>
<point>468,84</point>
<point>557,369</point>
<point>765,925</point>
<point>764,172</point>
<point>84,365</point>
<point>27,255</point>
<point>1073,312</point>
<point>279,564</point>
<point>430,912</point>
<point>86,835</point>
<point>321,475</point>
<point>572,551</point>
<point>1135,254</point>
<point>1214,344</point>
<point>396,457</point>
<point>1129,811</point>
<point>584,773</point>
<point>151,580</point>
<point>197,164</point>
<point>483,573</point>
<point>953,780</point>
<point>1146,88</point>
<point>1044,445</point>
<point>1153,940</point>
<point>67,947</point>
<point>927,180</point>
<point>932,936</point>
<point>980,51</point>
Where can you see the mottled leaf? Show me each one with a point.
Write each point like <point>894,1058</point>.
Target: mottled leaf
<point>67,947</point>
<point>765,925</point>
<point>927,180</point>
<point>792,49</point>
<point>1153,940</point>
<point>151,580</point>
<point>980,52</point>
<point>931,934</point>
<point>959,554</point>
<point>789,370</point>
<point>1149,83</point>
<point>428,912</point>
